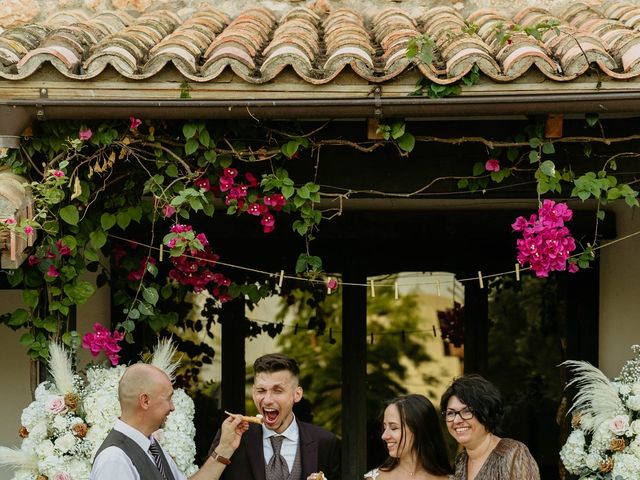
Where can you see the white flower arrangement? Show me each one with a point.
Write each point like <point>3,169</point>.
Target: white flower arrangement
<point>605,441</point>
<point>70,417</point>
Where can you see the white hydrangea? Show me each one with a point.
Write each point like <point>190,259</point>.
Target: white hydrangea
<point>572,452</point>
<point>179,433</point>
<point>602,436</point>
<point>625,466</point>
<point>593,461</point>
<point>633,402</point>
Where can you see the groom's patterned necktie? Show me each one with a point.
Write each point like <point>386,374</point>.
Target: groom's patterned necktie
<point>154,449</point>
<point>277,468</point>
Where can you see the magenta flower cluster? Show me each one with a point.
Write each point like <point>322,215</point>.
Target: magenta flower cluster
<point>546,243</point>
<point>236,193</point>
<point>194,269</point>
<point>102,340</point>
<point>51,259</point>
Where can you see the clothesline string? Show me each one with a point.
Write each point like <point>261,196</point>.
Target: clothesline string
<point>354,284</point>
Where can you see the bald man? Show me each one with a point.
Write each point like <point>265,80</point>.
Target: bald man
<point>130,453</point>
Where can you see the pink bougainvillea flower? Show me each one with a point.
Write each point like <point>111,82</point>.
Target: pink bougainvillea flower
<point>546,243</point>
<point>10,221</point>
<point>268,223</point>
<point>277,201</point>
<point>253,181</point>
<point>53,271</point>
<point>85,134</point>
<point>180,228</point>
<point>134,123</point>
<point>58,173</point>
<point>203,239</point>
<point>230,172</point>
<point>63,250</point>
<point>203,184</point>
<point>168,210</point>
<point>28,229</point>
<point>254,209</point>
<point>492,165</point>
<point>332,283</point>
<point>33,260</point>
<point>102,340</point>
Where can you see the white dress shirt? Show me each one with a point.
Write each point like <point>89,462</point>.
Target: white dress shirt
<point>289,444</point>
<point>112,463</point>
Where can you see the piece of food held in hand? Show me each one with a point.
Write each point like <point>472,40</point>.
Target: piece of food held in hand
<point>257,419</point>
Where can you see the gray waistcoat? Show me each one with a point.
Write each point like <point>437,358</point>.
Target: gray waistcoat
<point>141,461</point>
<point>296,471</point>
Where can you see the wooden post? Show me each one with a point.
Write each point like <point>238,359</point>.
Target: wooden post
<point>354,377</point>
<point>233,352</point>
<point>476,328</point>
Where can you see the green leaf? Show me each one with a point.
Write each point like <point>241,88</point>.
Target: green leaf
<point>90,254</point>
<point>535,142</point>
<point>189,130</point>
<point>406,142</point>
<point>613,193</point>
<point>172,170</point>
<point>303,192</point>
<point>150,295</point>
<point>290,148</point>
<point>123,219</point>
<point>205,138</point>
<point>478,169</point>
<point>288,191</point>
<point>30,298</point>
<point>534,156</point>
<point>15,277</point>
<point>548,168</point>
<point>70,214</point>
<point>145,309</point>
<point>27,339</point>
<point>98,239</point>
<point>601,214</point>
<point>134,314</point>
<point>107,220</point>
<point>191,146</point>
<point>79,292</point>
<point>548,148</point>
<point>591,119</point>
<point>18,318</point>
<point>463,183</point>
<point>210,156</point>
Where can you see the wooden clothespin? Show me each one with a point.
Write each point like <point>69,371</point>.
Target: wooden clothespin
<point>480,280</point>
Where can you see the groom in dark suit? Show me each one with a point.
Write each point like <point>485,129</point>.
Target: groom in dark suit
<point>282,448</point>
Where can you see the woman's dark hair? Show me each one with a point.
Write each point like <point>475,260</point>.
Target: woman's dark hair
<point>419,415</point>
<point>480,395</point>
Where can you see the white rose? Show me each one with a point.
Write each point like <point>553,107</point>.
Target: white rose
<point>59,422</point>
<point>619,424</point>
<point>65,442</point>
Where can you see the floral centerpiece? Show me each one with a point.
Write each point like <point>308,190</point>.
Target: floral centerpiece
<point>70,417</point>
<point>605,441</point>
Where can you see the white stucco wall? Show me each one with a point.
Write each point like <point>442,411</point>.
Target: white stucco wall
<point>15,370</point>
<point>620,293</point>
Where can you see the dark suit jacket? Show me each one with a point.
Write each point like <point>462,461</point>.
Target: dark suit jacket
<point>320,451</point>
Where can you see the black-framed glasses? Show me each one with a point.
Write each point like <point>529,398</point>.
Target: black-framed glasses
<point>450,414</point>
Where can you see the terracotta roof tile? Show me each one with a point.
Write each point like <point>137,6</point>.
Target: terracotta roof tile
<point>257,45</point>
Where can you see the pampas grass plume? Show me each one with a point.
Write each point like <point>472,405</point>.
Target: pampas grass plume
<point>163,357</point>
<point>596,395</point>
<point>60,366</point>
<point>16,458</point>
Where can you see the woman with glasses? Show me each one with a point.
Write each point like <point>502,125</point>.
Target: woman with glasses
<point>472,409</point>
<point>411,430</point>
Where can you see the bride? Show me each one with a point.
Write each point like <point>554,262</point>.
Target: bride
<point>412,433</point>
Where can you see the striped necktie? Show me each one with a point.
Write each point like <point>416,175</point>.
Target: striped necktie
<point>154,449</point>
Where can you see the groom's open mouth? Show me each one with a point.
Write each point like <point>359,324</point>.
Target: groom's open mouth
<point>270,416</point>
